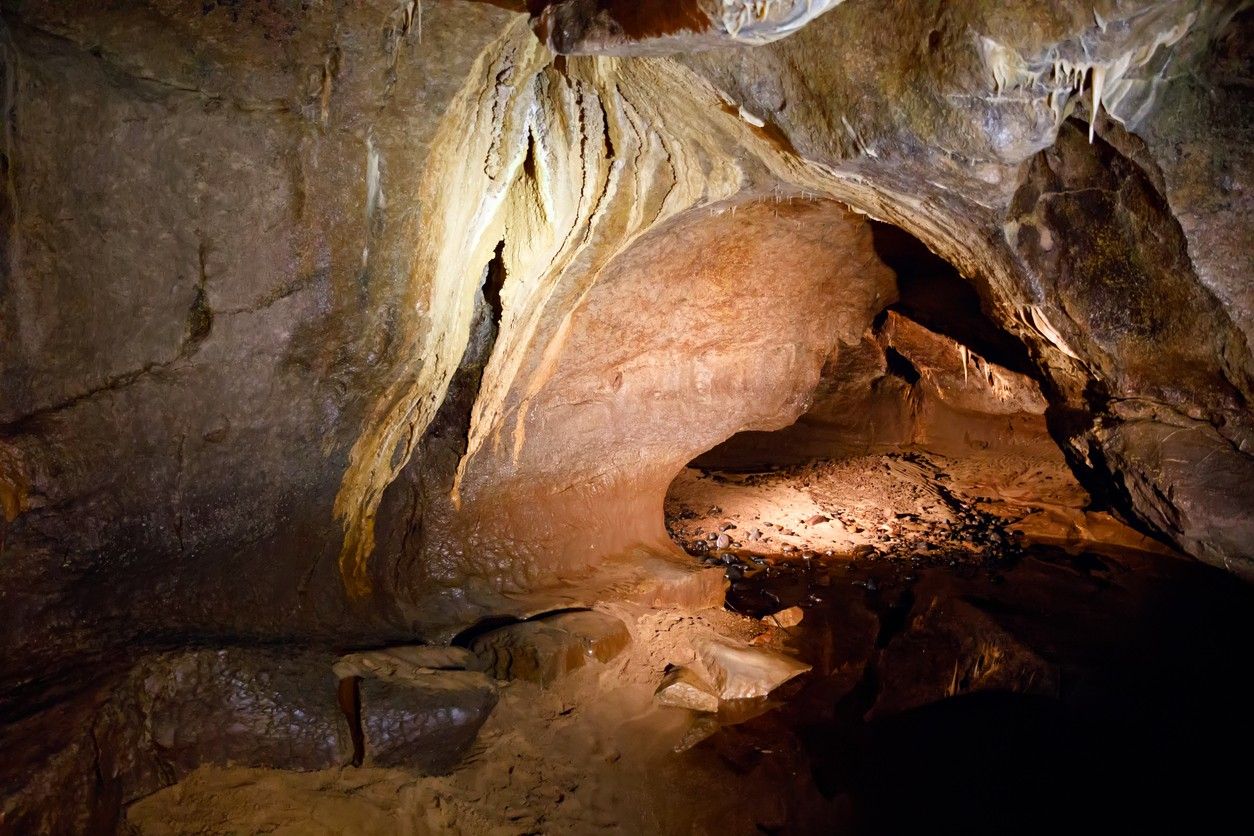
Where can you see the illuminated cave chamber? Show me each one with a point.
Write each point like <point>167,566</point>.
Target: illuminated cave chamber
<point>928,425</point>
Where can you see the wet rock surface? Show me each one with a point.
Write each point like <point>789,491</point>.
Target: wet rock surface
<point>74,766</point>
<point>745,673</point>
<point>683,687</point>
<point>425,722</point>
<point>545,649</point>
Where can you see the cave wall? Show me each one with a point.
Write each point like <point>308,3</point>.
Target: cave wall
<point>245,252</point>
<point>210,224</point>
<point>704,327</point>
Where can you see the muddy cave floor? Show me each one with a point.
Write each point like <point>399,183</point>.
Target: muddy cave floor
<point>985,656</point>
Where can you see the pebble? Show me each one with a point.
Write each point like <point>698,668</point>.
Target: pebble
<point>722,541</point>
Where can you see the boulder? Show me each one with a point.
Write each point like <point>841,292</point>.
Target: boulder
<point>789,617</point>
<point>743,672</point>
<point>235,706</point>
<point>546,649</point>
<point>426,721</point>
<point>682,687</point>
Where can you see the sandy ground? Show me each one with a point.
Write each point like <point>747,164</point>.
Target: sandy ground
<point>593,753</point>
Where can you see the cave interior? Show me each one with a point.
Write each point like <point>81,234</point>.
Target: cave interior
<point>568,416</point>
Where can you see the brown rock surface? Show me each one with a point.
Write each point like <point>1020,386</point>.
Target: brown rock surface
<point>425,722</point>
<point>546,649</point>
<point>742,672</point>
<point>682,687</point>
<point>359,324</point>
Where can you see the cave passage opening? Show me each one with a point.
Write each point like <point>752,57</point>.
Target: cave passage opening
<point>925,440</point>
<point>977,631</point>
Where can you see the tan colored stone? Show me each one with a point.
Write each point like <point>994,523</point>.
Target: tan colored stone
<point>743,672</point>
<point>683,687</point>
<point>403,662</point>
<point>789,617</point>
<point>546,649</point>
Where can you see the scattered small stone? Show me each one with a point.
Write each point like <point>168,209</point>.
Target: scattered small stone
<point>722,541</point>
<point>790,617</point>
<point>817,519</point>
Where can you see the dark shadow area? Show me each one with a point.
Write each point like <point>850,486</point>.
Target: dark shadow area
<point>934,294</point>
<point>1144,726</point>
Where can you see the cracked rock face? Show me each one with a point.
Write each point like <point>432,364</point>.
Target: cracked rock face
<point>355,325</point>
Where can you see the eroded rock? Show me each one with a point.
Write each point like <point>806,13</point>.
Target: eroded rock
<point>683,687</point>
<point>742,672</point>
<point>426,721</point>
<point>546,649</point>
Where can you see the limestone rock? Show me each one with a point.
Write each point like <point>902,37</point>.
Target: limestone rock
<point>249,707</point>
<point>682,687</point>
<point>403,662</point>
<point>789,617</point>
<point>71,767</point>
<point>743,672</point>
<point>545,649</point>
<point>425,722</point>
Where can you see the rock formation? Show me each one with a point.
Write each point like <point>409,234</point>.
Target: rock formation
<point>354,325</point>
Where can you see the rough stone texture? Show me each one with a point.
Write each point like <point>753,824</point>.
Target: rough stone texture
<point>426,722</point>
<point>395,662</point>
<point>214,407</point>
<point>75,764</point>
<point>199,282</point>
<point>905,386</point>
<point>547,649</point>
<point>683,687</point>
<point>363,322</point>
<point>746,672</point>
<point>247,707</point>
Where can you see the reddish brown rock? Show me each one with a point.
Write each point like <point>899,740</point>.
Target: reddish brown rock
<point>546,649</point>
<point>682,687</point>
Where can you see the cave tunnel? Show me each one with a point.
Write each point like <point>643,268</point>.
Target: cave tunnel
<point>569,416</point>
